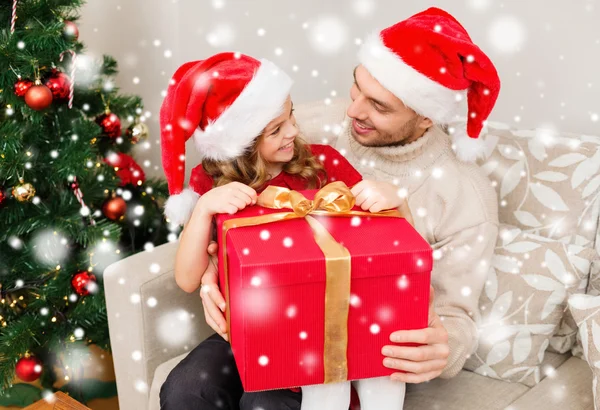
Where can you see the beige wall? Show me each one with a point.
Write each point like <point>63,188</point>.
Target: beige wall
<point>549,60</point>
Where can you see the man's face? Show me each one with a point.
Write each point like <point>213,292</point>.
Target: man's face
<point>379,118</point>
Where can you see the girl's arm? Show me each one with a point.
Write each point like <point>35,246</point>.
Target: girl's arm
<point>192,259</point>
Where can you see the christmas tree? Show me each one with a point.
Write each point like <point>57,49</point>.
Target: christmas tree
<point>72,200</point>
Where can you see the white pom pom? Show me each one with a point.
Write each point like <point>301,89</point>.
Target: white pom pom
<point>467,149</point>
<point>179,207</point>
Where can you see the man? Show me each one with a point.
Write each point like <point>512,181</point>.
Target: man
<point>411,80</point>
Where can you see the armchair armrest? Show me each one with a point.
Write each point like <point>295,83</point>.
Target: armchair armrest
<point>150,319</point>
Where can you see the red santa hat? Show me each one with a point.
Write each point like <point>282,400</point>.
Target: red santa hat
<point>224,102</point>
<point>430,63</point>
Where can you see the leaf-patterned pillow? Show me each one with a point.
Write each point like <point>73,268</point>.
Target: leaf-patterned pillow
<point>547,184</point>
<point>586,313</point>
<point>523,302</point>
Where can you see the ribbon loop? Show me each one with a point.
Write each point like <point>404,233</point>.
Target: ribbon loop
<point>335,197</point>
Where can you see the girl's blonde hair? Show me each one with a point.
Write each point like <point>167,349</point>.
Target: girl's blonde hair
<point>251,168</point>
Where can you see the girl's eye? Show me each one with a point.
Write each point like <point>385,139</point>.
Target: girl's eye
<point>276,131</point>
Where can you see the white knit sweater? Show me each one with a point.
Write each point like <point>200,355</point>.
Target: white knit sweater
<point>453,204</point>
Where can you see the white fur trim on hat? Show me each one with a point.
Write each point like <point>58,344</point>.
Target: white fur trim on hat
<point>259,103</point>
<point>467,149</point>
<point>417,91</point>
<point>179,207</point>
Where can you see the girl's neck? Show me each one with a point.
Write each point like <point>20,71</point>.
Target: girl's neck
<point>274,169</point>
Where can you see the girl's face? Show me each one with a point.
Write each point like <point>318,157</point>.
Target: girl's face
<point>276,146</point>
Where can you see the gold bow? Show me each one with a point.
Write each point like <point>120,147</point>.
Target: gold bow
<point>335,199</point>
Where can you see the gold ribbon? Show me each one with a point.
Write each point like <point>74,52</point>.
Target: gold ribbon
<point>334,199</point>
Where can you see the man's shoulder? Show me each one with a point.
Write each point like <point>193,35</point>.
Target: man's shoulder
<point>466,185</point>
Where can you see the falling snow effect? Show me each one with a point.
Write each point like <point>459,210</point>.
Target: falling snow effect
<point>507,34</point>
<point>328,35</point>
<point>50,247</point>
<point>222,35</point>
<point>174,328</point>
<point>363,8</point>
<point>291,311</point>
<point>479,5</point>
<point>103,254</point>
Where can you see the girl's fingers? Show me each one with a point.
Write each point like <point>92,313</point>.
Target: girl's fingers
<point>213,248</point>
<point>243,196</point>
<point>237,202</point>
<point>217,298</point>
<point>209,319</point>
<point>211,309</point>
<point>247,190</point>
<point>213,325</point>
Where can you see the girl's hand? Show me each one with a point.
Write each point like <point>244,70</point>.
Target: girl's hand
<point>375,196</point>
<point>212,299</point>
<point>227,199</point>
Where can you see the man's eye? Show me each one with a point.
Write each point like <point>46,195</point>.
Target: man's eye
<point>379,108</point>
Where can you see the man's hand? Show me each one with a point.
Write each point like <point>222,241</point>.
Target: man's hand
<point>375,196</point>
<point>212,299</point>
<point>422,363</point>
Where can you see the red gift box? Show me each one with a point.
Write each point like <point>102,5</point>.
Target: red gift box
<point>274,280</point>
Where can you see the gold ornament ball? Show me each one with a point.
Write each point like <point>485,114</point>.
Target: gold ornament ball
<point>24,192</point>
<point>137,132</point>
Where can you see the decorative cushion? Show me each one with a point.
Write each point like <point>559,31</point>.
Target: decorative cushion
<point>547,184</point>
<point>586,313</point>
<point>523,302</point>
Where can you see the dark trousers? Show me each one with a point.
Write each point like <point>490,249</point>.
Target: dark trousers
<point>207,379</point>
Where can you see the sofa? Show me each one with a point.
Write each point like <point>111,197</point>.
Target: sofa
<point>154,324</point>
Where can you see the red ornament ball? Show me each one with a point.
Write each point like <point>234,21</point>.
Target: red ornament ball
<point>110,124</point>
<point>22,86</point>
<point>71,31</point>
<point>29,368</point>
<point>114,208</point>
<point>2,195</point>
<point>38,97</point>
<point>83,283</point>
<point>128,171</point>
<point>59,84</point>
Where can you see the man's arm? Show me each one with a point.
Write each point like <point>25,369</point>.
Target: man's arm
<point>318,122</point>
<point>458,278</point>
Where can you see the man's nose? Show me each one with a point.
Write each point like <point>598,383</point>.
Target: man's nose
<point>356,109</point>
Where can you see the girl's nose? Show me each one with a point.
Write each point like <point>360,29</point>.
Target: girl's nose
<point>291,130</point>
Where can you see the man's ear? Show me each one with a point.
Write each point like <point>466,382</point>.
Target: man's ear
<point>425,123</point>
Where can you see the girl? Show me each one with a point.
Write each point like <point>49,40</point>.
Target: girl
<point>241,117</point>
